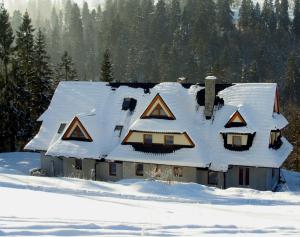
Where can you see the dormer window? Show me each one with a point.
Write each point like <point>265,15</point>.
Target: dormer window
<point>275,139</point>
<point>236,120</point>
<point>237,141</point>
<point>77,134</point>
<point>157,142</point>
<point>158,112</point>
<point>158,109</point>
<point>76,131</point>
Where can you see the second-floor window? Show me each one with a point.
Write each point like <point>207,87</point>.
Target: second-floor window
<point>148,139</point>
<point>275,139</point>
<point>169,140</point>
<point>237,141</point>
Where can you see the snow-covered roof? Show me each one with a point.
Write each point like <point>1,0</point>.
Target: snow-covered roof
<point>98,106</point>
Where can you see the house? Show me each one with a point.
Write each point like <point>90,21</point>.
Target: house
<point>212,134</point>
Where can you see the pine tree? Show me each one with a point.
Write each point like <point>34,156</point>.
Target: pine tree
<point>65,70</point>
<point>290,79</point>
<point>283,16</point>
<point>268,16</point>
<point>224,16</point>
<point>6,40</point>
<point>25,58</point>
<point>41,90</point>
<point>246,14</point>
<point>296,20</point>
<point>106,68</point>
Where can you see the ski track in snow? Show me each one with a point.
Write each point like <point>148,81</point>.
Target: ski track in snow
<point>41,206</point>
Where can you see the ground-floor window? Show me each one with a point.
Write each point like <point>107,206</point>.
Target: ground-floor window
<point>212,178</point>
<point>177,171</point>
<point>78,164</point>
<point>244,176</point>
<point>139,170</point>
<point>112,169</point>
<point>157,171</point>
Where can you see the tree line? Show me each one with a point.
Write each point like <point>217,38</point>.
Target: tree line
<point>146,41</point>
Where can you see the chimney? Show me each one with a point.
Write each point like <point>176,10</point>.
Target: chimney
<point>210,94</point>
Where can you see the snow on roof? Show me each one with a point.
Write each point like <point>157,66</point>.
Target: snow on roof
<point>99,108</point>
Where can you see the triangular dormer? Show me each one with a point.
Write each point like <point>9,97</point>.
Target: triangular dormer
<point>236,120</point>
<point>276,102</point>
<point>76,131</point>
<point>158,109</point>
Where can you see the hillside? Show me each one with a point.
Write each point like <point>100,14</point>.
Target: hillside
<point>41,206</point>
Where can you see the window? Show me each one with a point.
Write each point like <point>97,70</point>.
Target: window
<point>78,164</point>
<point>169,140</point>
<point>212,178</point>
<point>244,176</point>
<point>118,130</point>
<point>139,170</point>
<point>158,112</point>
<point>177,171</point>
<point>157,171</point>
<point>241,176</point>
<point>247,177</point>
<point>77,133</point>
<point>147,139</point>
<point>112,169</point>
<point>237,141</point>
<point>61,128</point>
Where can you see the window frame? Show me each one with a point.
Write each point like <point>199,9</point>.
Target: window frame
<point>144,139</point>
<point>78,164</point>
<point>177,171</point>
<point>244,176</point>
<point>209,178</point>
<point>139,172</point>
<point>77,130</point>
<point>112,169</point>
<point>165,140</point>
<point>233,140</point>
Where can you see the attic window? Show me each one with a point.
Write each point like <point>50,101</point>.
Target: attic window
<point>76,131</point>
<point>158,112</point>
<point>158,109</point>
<point>236,120</point>
<point>61,128</point>
<point>118,130</point>
<point>129,104</point>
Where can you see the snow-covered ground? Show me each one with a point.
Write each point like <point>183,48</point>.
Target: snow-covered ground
<point>40,206</point>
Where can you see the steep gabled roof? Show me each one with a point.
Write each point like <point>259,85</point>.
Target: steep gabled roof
<point>98,106</point>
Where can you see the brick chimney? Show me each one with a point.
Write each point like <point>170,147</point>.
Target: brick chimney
<point>210,94</point>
